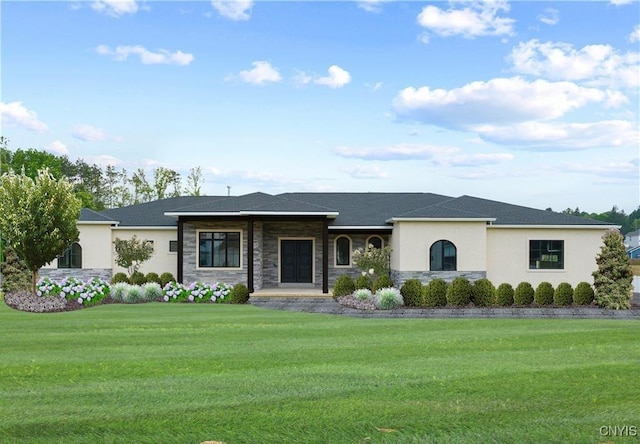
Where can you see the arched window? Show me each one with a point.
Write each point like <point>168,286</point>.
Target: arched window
<point>376,241</point>
<point>343,251</point>
<point>443,256</point>
<point>71,258</point>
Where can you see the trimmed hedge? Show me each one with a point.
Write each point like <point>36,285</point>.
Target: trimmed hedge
<point>363,281</point>
<point>504,295</point>
<point>343,286</point>
<point>459,292</point>
<point>583,294</point>
<point>523,294</point>
<point>544,294</point>
<point>137,278</point>
<point>411,292</point>
<point>153,277</point>
<point>484,293</point>
<point>563,294</point>
<point>239,294</point>
<point>119,277</point>
<point>166,277</point>
<point>434,294</point>
<point>382,281</point>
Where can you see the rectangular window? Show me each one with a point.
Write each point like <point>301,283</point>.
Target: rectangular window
<point>219,249</point>
<point>173,246</point>
<point>546,255</point>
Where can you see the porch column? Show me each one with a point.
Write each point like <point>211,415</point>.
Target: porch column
<point>325,255</point>
<point>179,271</point>
<point>250,255</point>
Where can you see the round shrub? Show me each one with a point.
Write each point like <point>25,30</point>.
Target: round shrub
<point>119,277</point>
<point>484,293</point>
<point>434,294</point>
<point>583,294</point>
<point>133,295</point>
<point>563,294</point>
<point>363,294</point>
<point>363,281</point>
<point>165,278</point>
<point>504,295</point>
<point>137,278</point>
<point>411,292</point>
<point>523,294</point>
<point>119,290</point>
<point>388,298</point>
<point>544,294</point>
<point>239,294</point>
<point>343,286</point>
<point>152,291</point>
<point>153,277</point>
<point>382,281</point>
<point>459,292</point>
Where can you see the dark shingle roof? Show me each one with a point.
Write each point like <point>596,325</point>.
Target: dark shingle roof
<point>87,215</point>
<point>254,202</point>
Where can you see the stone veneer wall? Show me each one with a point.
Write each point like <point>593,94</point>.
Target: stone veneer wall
<point>400,277</point>
<point>84,274</point>
<point>357,241</point>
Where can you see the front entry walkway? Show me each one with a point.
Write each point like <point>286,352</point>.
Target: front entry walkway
<point>290,292</point>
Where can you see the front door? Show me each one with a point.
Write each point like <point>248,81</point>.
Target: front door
<point>296,261</point>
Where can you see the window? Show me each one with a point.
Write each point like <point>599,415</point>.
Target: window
<point>173,246</point>
<point>71,258</point>
<point>219,249</point>
<point>376,241</point>
<point>443,256</point>
<point>546,255</point>
<point>343,251</point>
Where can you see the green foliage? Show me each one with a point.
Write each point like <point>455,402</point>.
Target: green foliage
<point>363,281</point>
<point>504,295</point>
<point>152,291</point>
<point>343,286</point>
<point>38,217</point>
<point>239,294</point>
<point>411,292</point>
<point>523,294</point>
<point>563,294</point>
<point>134,295</point>
<point>363,294</point>
<point>459,292</point>
<point>583,294</point>
<point>15,274</point>
<point>382,281</point>
<point>137,278</point>
<point>543,294</point>
<point>153,277</point>
<point>388,299</point>
<point>119,290</point>
<point>434,294</point>
<point>371,259</point>
<point>613,278</point>
<point>132,253</point>
<point>165,278</point>
<point>119,277</point>
<point>484,293</point>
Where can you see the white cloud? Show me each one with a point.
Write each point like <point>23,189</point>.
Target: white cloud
<point>596,65</point>
<point>161,56</point>
<point>16,114</point>
<point>621,2</point>
<point>57,147</point>
<point>374,6</point>
<point>115,8</point>
<point>302,78</point>
<point>337,78</point>
<point>550,16</point>
<point>475,19</point>
<point>89,133</point>
<point>498,101</point>
<point>261,73</point>
<point>606,168</point>
<point>236,10</point>
<point>366,172</point>
<point>635,34</point>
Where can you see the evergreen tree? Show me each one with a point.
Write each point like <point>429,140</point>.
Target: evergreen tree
<point>613,279</point>
<point>15,274</point>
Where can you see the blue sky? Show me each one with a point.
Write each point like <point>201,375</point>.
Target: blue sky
<point>527,102</point>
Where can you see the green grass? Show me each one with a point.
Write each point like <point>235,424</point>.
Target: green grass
<point>184,373</point>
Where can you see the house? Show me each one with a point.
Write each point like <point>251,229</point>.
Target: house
<point>308,239</point>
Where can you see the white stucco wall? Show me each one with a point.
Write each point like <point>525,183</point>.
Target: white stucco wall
<point>162,259</point>
<point>508,254</point>
<point>412,240</point>
<point>95,240</point>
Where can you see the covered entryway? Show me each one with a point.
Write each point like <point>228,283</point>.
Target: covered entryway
<point>296,261</point>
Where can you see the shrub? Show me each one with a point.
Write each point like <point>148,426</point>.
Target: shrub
<point>543,294</point>
<point>434,294</point>
<point>583,294</point>
<point>137,278</point>
<point>152,291</point>
<point>133,295</point>
<point>382,281</point>
<point>119,290</point>
<point>165,278</point>
<point>363,281</point>
<point>613,280</point>
<point>388,298</point>
<point>504,295</point>
<point>119,277</point>
<point>239,294</point>
<point>459,292</point>
<point>153,277</point>
<point>363,294</point>
<point>343,286</point>
<point>563,294</point>
<point>411,292</point>
<point>523,294</point>
<point>484,293</point>
<point>15,273</point>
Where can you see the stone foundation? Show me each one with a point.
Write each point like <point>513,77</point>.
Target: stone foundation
<point>84,274</point>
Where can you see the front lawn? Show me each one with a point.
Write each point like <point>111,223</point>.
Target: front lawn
<point>187,373</point>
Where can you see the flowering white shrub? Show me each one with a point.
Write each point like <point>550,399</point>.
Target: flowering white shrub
<point>86,293</point>
<point>152,291</point>
<point>134,294</point>
<point>362,294</point>
<point>119,290</point>
<point>196,292</point>
<point>388,298</point>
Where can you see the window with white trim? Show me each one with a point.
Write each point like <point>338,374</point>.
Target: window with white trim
<point>546,255</point>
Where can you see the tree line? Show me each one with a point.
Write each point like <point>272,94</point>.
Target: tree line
<point>628,222</point>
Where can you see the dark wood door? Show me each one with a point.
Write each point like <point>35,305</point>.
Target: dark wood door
<point>296,261</point>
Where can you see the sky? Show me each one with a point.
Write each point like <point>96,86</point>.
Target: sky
<point>533,103</point>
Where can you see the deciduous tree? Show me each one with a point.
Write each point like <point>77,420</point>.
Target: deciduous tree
<point>131,253</point>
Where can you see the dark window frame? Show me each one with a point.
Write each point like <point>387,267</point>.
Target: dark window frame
<point>173,246</point>
<point>339,255</point>
<point>379,238</point>
<point>546,254</point>
<point>220,249</point>
<point>440,257</point>
<point>72,257</point>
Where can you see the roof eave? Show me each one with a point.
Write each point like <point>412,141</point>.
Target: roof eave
<point>556,226</point>
<point>440,219</point>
